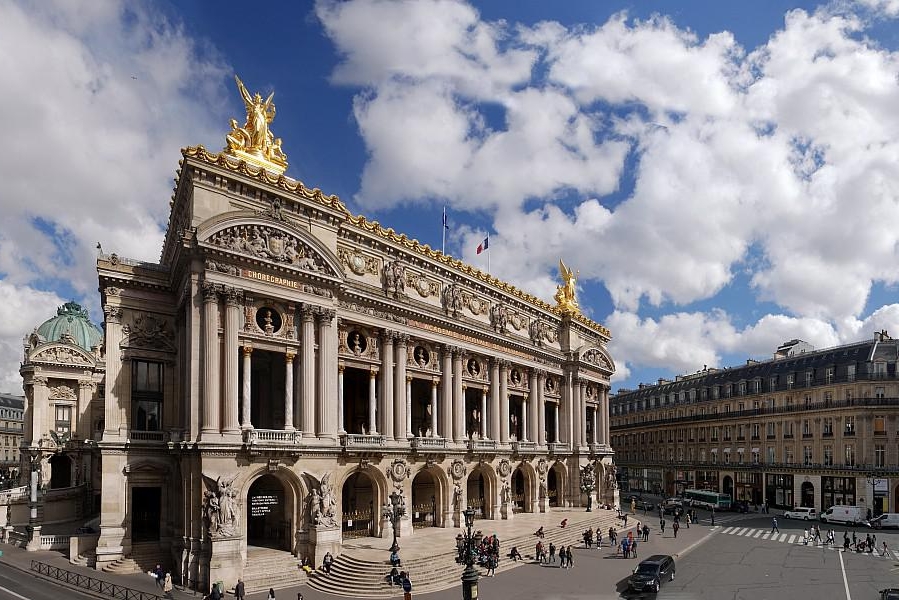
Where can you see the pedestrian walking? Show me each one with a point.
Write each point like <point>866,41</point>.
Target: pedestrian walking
<point>167,583</point>
<point>845,541</point>
<point>598,538</point>
<point>240,590</point>
<point>552,553</point>
<point>645,533</point>
<point>159,574</point>
<point>662,526</point>
<point>774,525</point>
<point>675,527</point>
<point>561,557</point>
<point>407,585</point>
<point>271,594</point>
<point>687,520</point>
<point>831,535</point>
<point>713,517</point>
<point>569,559</point>
<point>886,551</point>
<point>634,548</point>
<point>492,560</point>
<point>805,537</point>
<point>818,539</point>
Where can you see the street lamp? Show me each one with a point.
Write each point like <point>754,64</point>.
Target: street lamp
<point>470,574</point>
<point>397,511</point>
<point>34,528</point>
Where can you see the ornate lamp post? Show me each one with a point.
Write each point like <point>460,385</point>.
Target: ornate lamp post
<point>470,574</point>
<point>397,512</point>
<point>34,527</point>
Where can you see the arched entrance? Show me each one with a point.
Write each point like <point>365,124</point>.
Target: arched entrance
<point>807,495</point>
<point>268,514</point>
<point>521,491</point>
<point>727,486</point>
<point>555,485</point>
<point>358,506</point>
<point>425,494</point>
<point>60,471</point>
<point>480,493</point>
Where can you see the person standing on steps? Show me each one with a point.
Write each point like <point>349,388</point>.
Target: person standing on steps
<point>407,585</point>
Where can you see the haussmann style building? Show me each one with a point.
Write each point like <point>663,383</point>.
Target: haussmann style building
<point>809,427</point>
<point>286,366</point>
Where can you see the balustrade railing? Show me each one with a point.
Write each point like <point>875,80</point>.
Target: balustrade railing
<point>55,542</point>
<point>476,444</point>
<point>361,440</point>
<point>272,436</point>
<point>423,443</point>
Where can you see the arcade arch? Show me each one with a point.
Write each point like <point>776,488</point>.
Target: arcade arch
<point>429,496</point>
<point>362,495</point>
<point>555,485</point>
<point>481,492</point>
<point>522,483</point>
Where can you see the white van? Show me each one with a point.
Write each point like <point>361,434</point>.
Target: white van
<point>885,521</point>
<point>850,515</point>
<point>804,513</point>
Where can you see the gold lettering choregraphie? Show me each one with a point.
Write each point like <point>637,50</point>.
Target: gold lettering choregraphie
<point>270,278</point>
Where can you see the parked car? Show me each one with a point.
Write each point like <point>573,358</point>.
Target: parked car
<point>672,507</point>
<point>804,513</point>
<point>849,515</point>
<point>644,504</point>
<point>889,594</point>
<point>884,521</point>
<point>651,573</point>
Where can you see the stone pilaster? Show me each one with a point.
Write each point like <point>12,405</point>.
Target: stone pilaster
<point>116,370</point>
<point>211,417</point>
<point>233,303</point>
<point>307,371</point>
<point>400,399</point>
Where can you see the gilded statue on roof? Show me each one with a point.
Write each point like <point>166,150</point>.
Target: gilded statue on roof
<point>565,293</point>
<point>254,142</point>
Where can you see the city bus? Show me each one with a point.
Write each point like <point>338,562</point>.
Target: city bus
<point>707,499</point>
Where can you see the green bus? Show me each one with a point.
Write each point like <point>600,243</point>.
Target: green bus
<point>707,499</point>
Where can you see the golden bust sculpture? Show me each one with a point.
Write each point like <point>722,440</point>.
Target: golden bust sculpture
<point>254,142</point>
<point>565,293</point>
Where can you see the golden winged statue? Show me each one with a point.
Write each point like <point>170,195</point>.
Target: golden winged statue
<point>565,293</point>
<point>254,142</point>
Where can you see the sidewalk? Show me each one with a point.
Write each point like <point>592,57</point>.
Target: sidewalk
<point>20,559</point>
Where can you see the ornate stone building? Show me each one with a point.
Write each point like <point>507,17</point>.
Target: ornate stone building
<point>808,428</point>
<point>12,423</point>
<point>286,366</point>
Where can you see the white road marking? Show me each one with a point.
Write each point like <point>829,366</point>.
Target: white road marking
<point>792,539</point>
<point>783,537</point>
<point>730,530</point>
<point>845,581</point>
<point>8,591</point>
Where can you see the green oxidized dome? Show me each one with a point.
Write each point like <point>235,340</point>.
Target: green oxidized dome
<point>73,320</point>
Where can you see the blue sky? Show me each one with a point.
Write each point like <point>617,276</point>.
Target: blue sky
<point>723,174</point>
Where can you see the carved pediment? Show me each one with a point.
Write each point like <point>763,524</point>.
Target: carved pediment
<point>272,244</point>
<point>62,392</point>
<point>65,355</point>
<point>595,356</point>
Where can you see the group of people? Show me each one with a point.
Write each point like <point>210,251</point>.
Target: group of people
<point>163,580</point>
<point>485,551</point>
<point>546,556</point>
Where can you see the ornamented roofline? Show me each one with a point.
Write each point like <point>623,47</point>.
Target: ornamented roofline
<point>333,202</point>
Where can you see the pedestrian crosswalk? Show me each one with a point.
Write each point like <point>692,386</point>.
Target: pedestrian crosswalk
<point>788,538</point>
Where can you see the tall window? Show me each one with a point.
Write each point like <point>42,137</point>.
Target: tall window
<point>806,427</point>
<point>791,379</point>
<point>850,373</point>
<point>146,395</point>
<point>806,455</point>
<point>849,426</point>
<point>880,455</point>
<point>828,426</point>
<point>63,418</point>
<point>879,425</point>
<point>788,455</point>
<point>828,456</point>
<point>770,454</point>
<point>828,375</point>
<point>769,429</point>
<point>849,455</point>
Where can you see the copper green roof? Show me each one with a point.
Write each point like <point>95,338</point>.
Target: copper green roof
<point>71,319</point>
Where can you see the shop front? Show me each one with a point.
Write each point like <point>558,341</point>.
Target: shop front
<point>779,490</point>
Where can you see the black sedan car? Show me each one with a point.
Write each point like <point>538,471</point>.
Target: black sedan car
<point>651,573</point>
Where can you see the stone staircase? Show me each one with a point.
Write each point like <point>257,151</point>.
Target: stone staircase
<point>267,568</point>
<point>144,557</point>
<point>88,558</point>
<point>355,577</point>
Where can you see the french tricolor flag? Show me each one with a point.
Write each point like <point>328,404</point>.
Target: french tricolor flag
<point>483,245</point>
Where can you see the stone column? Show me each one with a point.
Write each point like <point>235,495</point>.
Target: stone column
<point>484,413</point>
<point>400,396</point>
<point>115,372</point>
<point>40,401</point>
<point>434,384</point>
<point>83,427</point>
<point>541,403</point>
<point>233,302</point>
<point>211,418</point>
<point>556,424</point>
<point>524,419</point>
<point>327,375</point>
<point>307,371</point>
<point>494,400</point>
<point>372,402</point>
<point>340,425</point>
<point>409,433</point>
<point>446,394</point>
<point>247,386</point>
<point>504,402</point>
<point>458,398</point>
<point>386,399</point>
<point>288,390</point>
<point>604,416</point>
<point>534,407</point>
<point>582,411</point>
<point>596,408</point>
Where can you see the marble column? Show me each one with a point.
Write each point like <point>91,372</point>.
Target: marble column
<point>596,422</point>
<point>400,396</point>
<point>525,421</point>
<point>247,386</point>
<point>372,402</point>
<point>211,418</point>
<point>340,425</point>
<point>533,406</point>
<point>541,403</point>
<point>40,406</point>
<point>386,399</point>
<point>288,391</point>
<point>434,384</point>
<point>409,433</point>
<point>458,397</point>
<point>446,394</point>
<point>504,402</point>
<point>604,416</point>
<point>307,371</point>
<point>494,400</point>
<point>326,417</point>
<point>233,302</point>
<point>483,413</point>
<point>582,412</point>
<point>115,372</point>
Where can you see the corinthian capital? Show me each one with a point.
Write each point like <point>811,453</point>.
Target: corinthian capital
<point>113,314</point>
<point>210,291</point>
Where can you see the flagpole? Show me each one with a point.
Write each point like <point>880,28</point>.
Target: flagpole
<point>443,232</point>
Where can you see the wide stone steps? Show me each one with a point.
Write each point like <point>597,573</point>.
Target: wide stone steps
<point>143,558</point>
<point>267,568</point>
<point>86,559</point>
<point>356,577</point>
